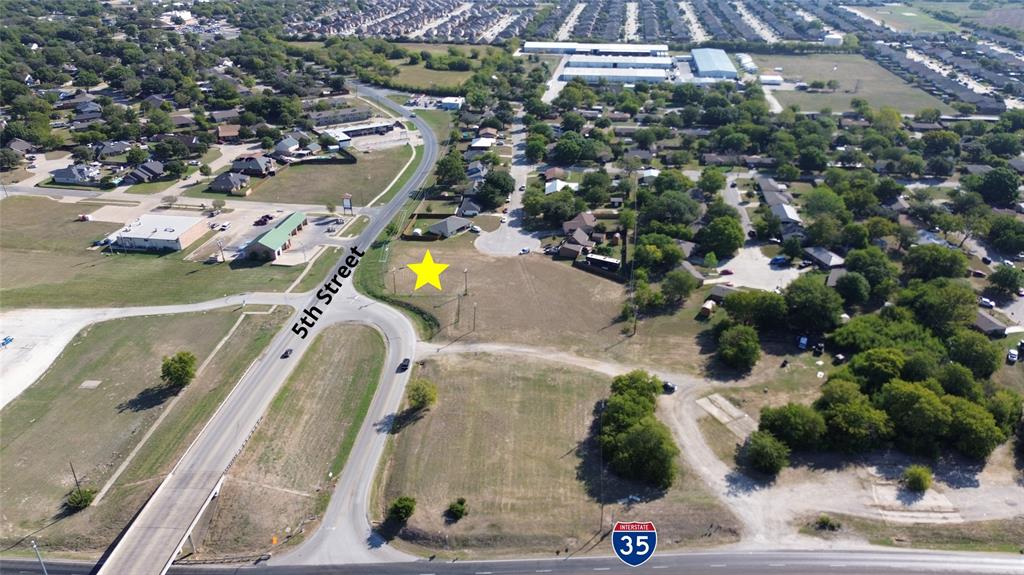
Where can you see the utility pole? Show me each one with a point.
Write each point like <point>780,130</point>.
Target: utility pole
<point>458,310</point>
<point>600,456</point>
<point>78,485</point>
<point>465,278</point>
<point>39,557</point>
<point>220,245</point>
<point>474,316</point>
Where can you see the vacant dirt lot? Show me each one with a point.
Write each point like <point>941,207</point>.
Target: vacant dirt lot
<point>44,263</point>
<point>534,300</point>
<point>283,478</point>
<point>513,439</point>
<point>57,420</point>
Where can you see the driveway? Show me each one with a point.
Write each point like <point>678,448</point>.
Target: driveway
<point>751,269</point>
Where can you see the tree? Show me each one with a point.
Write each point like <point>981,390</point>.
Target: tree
<point>738,347</point>
<point>535,149</point>
<point>855,426</point>
<point>823,201</point>
<point>724,235</point>
<point>401,509</point>
<point>205,170</point>
<point>595,188</point>
<point>83,154</point>
<point>942,304</point>
<point>672,180</point>
<point>764,309</point>
<point>854,288</point>
<point>812,305</point>
<point>219,204</point>
<point>9,159</point>
<point>178,370</point>
<point>972,428</point>
<point>175,169</point>
<point>878,366</point>
<point>975,352</point>
<point>80,498</point>
<point>855,236</point>
<point>798,426</point>
<point>495,188</point>
<point>791,247</point>
<point>646,451</point>
<point>787,172</point>
<point>998,187</point>
<point>1005,406</point>
<point>711,180</point>
<point>677,285</point>
<point>917,478</point>
<point>572,122</point>
<point>451,169</point>
<point>919,417</point>
<point>421,394</point>
<point>765,453</point>
<point>956,379</point>
<point>1007,278</point>
<point>658,252</point>
<point>875,266</point>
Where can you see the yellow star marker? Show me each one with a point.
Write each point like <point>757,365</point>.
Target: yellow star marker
<point>428,272</point>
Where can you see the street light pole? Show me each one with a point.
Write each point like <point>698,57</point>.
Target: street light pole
<point>39,557</point>
<point>465,278</point>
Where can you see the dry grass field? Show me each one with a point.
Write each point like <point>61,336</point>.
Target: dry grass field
<point>513,438</point>
<point>876,84</point>
<point>281,480</point>
<point>44,262</point>
<point>908,18</point>
<point>1003,536</point>
<point>56,421</point>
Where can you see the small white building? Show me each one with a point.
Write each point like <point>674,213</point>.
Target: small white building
<point>482,144</point>
<point>161,233</point>
<point>557,185</point>
<point>770,80</point>
<point>452,103</point>
<point>647,176</point>
<point>833,39</point>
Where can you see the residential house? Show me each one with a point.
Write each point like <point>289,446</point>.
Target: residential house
<point>720,292</point>
<point>988,324</point>
<point>76,175</point>
<point>787,214</point>
<point>1017,164</point>
<point>648,175</point>
<point>450,226</point>
<point>487,133</point>
<point>108,149</point>
<point>476,171</point>
<point>570,250</point>
<point>253,166</point>
<point>146,172</point>
<point>220,116</point>
<point>580,238</point>
<point>232,183</point>
<point>686,247</point>
<point>553,174</point>
<point>183,121</point>
<point>156,100</point>
<point>898,205</point>
<point>557,185</point>
<point>21,146</point>
<point>824,258</point>
<point>452,103</point>
<point>228,133</point>
<point>585,221</point>
<point>468,208</point>
<point>482,144</point>
<point>833,276</point>
<point>193,143</point>
<point>977,169</point>
<point>688,268</point>
<point>286,146</point>
<point>645,156</point>
<point>88,107</point>
<point>339,116</point>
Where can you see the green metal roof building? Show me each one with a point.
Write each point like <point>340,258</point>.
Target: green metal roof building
<point>269,245</point>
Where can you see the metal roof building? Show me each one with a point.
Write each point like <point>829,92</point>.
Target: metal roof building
<point>713,63</point>
<point>614,75</point>
<point>586,48</point>
<point>591,61</point>
<point>272,242</point>
<point>153,232</point>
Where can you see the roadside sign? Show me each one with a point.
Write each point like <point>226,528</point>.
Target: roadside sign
<point>634,541</point>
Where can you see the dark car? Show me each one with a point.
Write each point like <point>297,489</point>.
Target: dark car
<point>404,365</point>
<point>805,264</point>
<point>986,260</point>
<point>287,353</point>
<point>260,222</point>
<point>668,387</point>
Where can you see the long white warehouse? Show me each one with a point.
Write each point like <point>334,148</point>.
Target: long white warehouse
<point>603,49</point>
<point>614,75</point>
<point>588,61</point>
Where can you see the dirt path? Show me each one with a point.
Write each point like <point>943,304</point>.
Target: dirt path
<point>768,511</point>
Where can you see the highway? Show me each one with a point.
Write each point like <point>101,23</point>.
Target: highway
<point>160,530</point>
<point>696,563</point>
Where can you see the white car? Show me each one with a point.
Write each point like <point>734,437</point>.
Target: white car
<point>224,227</point>
<point>986,303</point>
<point>1011,356</point>
<point>524,251</point>
<point>504,220</point>
<point>475,229</point>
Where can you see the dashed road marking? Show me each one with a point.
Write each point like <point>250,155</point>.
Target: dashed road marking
<point>601,568</point>
<point>717,565</point>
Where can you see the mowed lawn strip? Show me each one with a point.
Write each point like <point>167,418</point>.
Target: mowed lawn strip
<point>420,76</point>
<point>286,473</point>
<point>56,421</point>
<point>512,436</point>
<point>993,536</point>
<point>878,86</point>
<point>44,263</point>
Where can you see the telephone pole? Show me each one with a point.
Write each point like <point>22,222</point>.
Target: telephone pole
<point>474,316</point>
<point>39,557</point>
<point>465,278</point>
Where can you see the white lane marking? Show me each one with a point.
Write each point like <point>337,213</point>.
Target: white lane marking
<point>601,568</point>
<point>659,567</point>
<point>484,572</point>
<point>837,564</point>
<point>717,565</point>
<point>543,571</point>
<point>776,564</point>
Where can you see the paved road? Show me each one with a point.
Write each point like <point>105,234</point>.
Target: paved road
<point>697,563</point>
<point>160,529</point>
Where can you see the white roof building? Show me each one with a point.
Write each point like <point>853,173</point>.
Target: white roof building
<point>557,185</point>
<point>482,143</point>
<point>587,48</point>
<point>158,232</point>
<point>590,61</point>
<point>771,80</point>
<point>615,75</point>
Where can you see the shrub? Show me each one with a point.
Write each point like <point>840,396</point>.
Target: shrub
<point>738,347</point>
<point>81,498</point>
<point>421,394</point>
<point>458,509</point>
<point>765,453</point>
<point>826,523</point>
<point>637,445</point>
<point>917,478</point>
<point>798,426</point>
<point>402,509</point>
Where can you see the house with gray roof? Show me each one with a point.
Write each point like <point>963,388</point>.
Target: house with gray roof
<point>450,226</point>
<point>232,183</point>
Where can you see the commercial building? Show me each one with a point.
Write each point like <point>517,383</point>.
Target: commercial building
<point>614,75</point>
<point>833,40</point>
<point>339,116</point>
<point>271,243</point>
<point>588,61</point>
<point>713,63</point>
<point>770,80</point>
<point>160,233</point>
<point>452,103</point>
<point>598,49</point>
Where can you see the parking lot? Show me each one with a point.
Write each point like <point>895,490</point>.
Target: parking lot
<point>321,230</point>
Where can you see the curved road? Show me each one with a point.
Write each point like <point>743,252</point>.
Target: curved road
<point>160,529</point>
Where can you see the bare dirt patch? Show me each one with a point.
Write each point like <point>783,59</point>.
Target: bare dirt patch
<point>281,483</point>
<point>513,438</point>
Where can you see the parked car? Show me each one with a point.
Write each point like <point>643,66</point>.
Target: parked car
<point>260,222</point>
<point>504,220</point>
<point>522,188</point>
<point>1020,292</point>
<point>475,229</point>
<point>669,387</point>
<point>986,303</point>
<point>819,348</point>
<point>986,260</point>
<point>404,365</point>
<point>802,342</point>
<point>524,251</point>
<point>726,272</point>
<point>1012,356</point>
<point>978,274</point>
<point>805,264</point>
<point>287,353</point>
<point>779,261</point>
<point>224,227</point>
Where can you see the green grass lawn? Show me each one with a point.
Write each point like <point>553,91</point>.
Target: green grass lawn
<point>419,76</point>
<point>993,536</point>
<point>403,178</point>
<point>357,227</point>
<point>908,19</point>
<point>876,85</point>
<point>95,429</point>
<point>439,120</point>
<point>158,186</point>
<point>301,444</point>
<point>44,263</point>
<point>323,183</point>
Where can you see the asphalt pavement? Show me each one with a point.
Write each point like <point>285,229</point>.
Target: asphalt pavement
<point>160,529</point>
<point>695,563</point>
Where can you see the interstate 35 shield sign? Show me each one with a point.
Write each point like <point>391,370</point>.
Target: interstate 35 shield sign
<point>634,541</point>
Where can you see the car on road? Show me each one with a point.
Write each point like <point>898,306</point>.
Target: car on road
<point>1020,292</point>
<point>522,188</point>
<point>412,114</point>
<point>224,227</point>
<point>524,251</point>
<point>986,303</point>
<point>260,222</point>
<point>31,166</point>
<point>287,353</point>
<point>986,260</point>
<point>726,272</point>
<point>475,229</point>
<point>404,366</point>
<point>779,261</point>
<point>1012,356</point>
<point>504,220</point>
<point>669,387</point>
